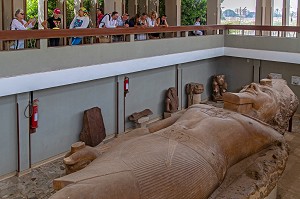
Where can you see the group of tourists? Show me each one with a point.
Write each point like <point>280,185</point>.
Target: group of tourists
<point>82,20</point>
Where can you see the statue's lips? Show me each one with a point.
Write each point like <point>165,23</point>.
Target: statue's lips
<point>239,98</point>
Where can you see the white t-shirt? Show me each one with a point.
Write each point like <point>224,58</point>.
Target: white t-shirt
<point>80,22</point>
<point>108,22</point>
<point>151,23</point>
<point>198,32</point>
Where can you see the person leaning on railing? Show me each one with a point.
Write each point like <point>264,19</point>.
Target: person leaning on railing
<point>162,22</point>
<point>152,22</point>
<point>54,22</point>
<point>141,22</point>
<point>19,23</point>
<point>122,22</point>
<point>108,21</point>
<point>80,21</point>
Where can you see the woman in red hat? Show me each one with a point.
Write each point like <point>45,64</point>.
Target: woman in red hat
<point>53,23</point>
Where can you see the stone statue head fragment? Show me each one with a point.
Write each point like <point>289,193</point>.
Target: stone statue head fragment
<point>271,101</point>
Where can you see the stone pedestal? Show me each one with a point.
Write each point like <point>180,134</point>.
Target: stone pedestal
<point>142,122</point>
<point>197,99</point>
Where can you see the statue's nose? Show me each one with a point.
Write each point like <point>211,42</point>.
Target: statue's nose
<point>253,86</point>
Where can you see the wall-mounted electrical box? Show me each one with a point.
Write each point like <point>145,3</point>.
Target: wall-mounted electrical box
<point>276,75</point>
<point>295,80</point>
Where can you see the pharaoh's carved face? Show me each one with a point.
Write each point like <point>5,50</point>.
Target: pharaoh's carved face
<point>263,100</point>
<point>272,101</point>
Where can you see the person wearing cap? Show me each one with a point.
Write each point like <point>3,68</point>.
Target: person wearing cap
<point>80,21</point>
<point>18,23</point>
<point>53,22</point>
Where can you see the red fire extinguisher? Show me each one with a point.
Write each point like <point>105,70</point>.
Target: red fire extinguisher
<point>34,115</point>
<point>126,85</point>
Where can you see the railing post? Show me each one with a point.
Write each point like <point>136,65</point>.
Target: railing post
<point>186,33</point>
<point>43,43</point>
<point>131,38</point>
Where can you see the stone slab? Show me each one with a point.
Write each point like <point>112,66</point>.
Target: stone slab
<point>93,130</point>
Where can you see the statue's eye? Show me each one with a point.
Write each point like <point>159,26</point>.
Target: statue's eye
<point>266,91</point>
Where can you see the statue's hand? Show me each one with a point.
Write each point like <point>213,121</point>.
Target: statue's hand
<point>80,159</point>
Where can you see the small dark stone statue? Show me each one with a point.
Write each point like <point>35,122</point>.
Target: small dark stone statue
<point>193,91</point>
<point>219,86</point>
<point>93,130</point>
<point>171,100</point>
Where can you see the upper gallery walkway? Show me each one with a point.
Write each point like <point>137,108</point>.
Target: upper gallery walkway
<point>94,59</point>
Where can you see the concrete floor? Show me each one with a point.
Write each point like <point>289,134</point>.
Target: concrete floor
<point>38,183</point>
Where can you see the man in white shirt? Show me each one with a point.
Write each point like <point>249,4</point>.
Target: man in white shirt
<point>109,20</point>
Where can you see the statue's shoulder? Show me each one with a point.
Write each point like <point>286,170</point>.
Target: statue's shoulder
<point>210,111</point>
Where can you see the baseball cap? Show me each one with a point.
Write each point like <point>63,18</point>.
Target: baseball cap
<point>83,9</point>
<point>56,11</point>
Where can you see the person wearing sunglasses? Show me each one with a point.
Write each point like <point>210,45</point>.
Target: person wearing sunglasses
<point>18,23</point>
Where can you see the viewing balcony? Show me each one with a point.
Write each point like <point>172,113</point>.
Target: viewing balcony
<point>177,45</point>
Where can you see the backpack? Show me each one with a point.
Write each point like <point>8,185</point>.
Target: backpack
<point>102,23</point>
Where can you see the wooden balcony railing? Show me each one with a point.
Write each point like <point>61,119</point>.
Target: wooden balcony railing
<point>128,33</point>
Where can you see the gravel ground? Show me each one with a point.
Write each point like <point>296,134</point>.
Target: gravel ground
<point>35,185</point>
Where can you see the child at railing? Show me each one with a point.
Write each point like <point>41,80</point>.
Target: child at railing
<point>197,23</point>
<point>54,23</point>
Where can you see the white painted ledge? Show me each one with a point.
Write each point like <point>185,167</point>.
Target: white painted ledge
<point>38,81</point>
<point>275,56</point>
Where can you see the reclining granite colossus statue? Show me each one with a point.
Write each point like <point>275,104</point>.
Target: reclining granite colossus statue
<point>207,152</point>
